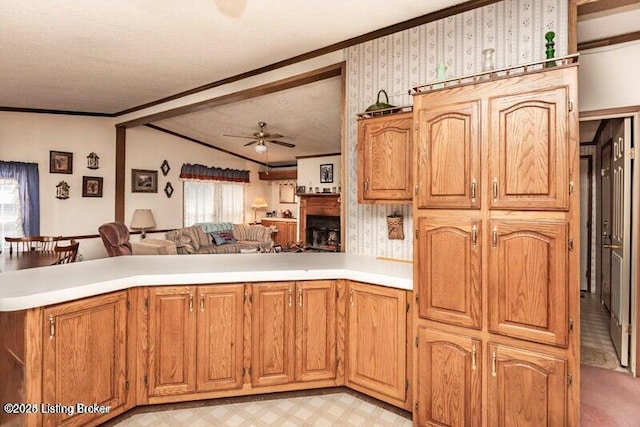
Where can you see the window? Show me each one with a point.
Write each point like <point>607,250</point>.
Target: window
<point>10,210</point>
<point>213,201</point>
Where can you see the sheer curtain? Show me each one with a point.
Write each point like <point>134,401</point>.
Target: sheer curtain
<point>213,201</point>
<point>27,177</point>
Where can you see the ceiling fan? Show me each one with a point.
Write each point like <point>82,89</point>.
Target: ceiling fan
<point>261,137</point>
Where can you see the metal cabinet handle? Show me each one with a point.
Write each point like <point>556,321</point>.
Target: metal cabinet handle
<point>494,364</point>
<point>290,297</point>
<point>190,302</point>
<point>202,303</point>
<point>474,364</point>
<point>351,297</point>
<point>474,235</point>
<point>495,237</point>
<point>473,190</point>
<point>495,189</point>
<point>299,296</point>
<point>366,185</point>
<point>52,326</point>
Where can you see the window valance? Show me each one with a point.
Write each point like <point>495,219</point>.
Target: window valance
<point>206,173</point>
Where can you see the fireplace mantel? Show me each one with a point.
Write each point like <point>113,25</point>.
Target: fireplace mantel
<point>317,204</point>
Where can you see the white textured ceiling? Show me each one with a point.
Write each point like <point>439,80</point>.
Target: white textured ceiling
<point>108,56</point>
<point>308,116</point>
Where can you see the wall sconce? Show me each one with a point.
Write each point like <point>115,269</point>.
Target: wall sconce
<point>143,220</point>
<point>93,161</point>
<point>62,190</point>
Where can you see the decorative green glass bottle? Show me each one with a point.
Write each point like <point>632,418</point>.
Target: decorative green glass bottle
<point>550,49</point>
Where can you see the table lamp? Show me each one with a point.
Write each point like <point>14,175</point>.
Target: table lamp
<point>143,220</point>
<point>258,203</point>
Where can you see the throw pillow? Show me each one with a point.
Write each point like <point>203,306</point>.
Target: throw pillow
<point>228,236</point>
<point>217,239</point>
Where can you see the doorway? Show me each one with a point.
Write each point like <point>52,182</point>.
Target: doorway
<point>608,224</point>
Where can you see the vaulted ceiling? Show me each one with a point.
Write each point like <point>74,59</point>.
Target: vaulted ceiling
<point>111,56</point>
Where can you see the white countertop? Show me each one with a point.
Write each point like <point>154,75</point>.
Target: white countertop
<point>43,286</point>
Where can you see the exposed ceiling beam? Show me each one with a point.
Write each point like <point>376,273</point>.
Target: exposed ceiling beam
<point>608,41</point>
<point>588,7</point>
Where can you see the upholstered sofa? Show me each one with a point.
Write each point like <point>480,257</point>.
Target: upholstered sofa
<point>220,238</point>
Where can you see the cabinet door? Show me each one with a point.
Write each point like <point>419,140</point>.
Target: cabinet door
<point>384,163</point>
<point>526,388</point>
<point>293,231</point>
<point>85,356</point>
<point>172,340</point>
<point>316,330</point>
<point>528,281</point>
<point>377,339</point>
<point>272,330</point>
<point>220,337</point>
<point>529,151</point>
<point>448,156</point>
<point>449,271</point>
<point>449,379</point>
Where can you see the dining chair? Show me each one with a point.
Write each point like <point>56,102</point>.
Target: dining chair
<point>68,253</point>
<point>32,243</point>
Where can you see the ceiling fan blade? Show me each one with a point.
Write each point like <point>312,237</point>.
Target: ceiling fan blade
<point>285,144</point>
<point>239,136</point>
<point>274,135</point>
<point>250,143</point>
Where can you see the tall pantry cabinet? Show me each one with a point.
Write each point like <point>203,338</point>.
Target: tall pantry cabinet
<point>496,252</point>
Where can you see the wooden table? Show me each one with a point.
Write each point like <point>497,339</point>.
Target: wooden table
<point>23,260</point>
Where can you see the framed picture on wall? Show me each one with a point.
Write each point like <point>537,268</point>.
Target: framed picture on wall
<point>326,173</point>
<point>144,181</point>
<point>60,162</point>
<point>92,186</point>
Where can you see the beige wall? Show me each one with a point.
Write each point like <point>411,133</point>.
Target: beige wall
<point>29,137</point>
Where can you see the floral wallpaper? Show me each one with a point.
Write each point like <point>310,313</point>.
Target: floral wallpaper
<point>396,63</point>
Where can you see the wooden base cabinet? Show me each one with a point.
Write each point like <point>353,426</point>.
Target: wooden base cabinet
<point>526,388</point>
<point>84,359</point>
<point>287,231</point>
<point>376,341</point>
<point>293,332</point>
<point>449,379</point>
<point>195,339</point>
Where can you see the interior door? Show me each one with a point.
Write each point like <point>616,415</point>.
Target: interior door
<point>585,222</point>
<point>605,226</point>
<point>621,240</point>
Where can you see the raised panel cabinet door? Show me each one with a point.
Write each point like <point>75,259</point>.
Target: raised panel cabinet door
<point>172,340</point>
<point>384,164</point>
<point>526,388</point>
<point>272,330</point>
<point>449,279</point>
<point>528,280</point>
<point>220,337</point>
<point>529,151</point>
<point>85,357</point>
<point>448,156</point>
<point>449,375</point>
<point>316,330</point>
<point>377,339</point>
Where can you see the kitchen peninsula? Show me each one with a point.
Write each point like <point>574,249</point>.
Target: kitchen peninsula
<point>128,331</point>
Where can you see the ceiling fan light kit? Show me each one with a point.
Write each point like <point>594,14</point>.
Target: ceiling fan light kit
<point>261,137</point>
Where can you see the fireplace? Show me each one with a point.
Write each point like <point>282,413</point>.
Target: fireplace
<point>323,233</point>
<point>320,222</point>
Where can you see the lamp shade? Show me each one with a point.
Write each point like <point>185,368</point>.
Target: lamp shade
<point>143,219</point>
<point>259,202</point>
<point>261,148</point>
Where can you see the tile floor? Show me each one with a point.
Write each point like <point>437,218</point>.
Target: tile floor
<point>338,409</point>
<point>596,346</point>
